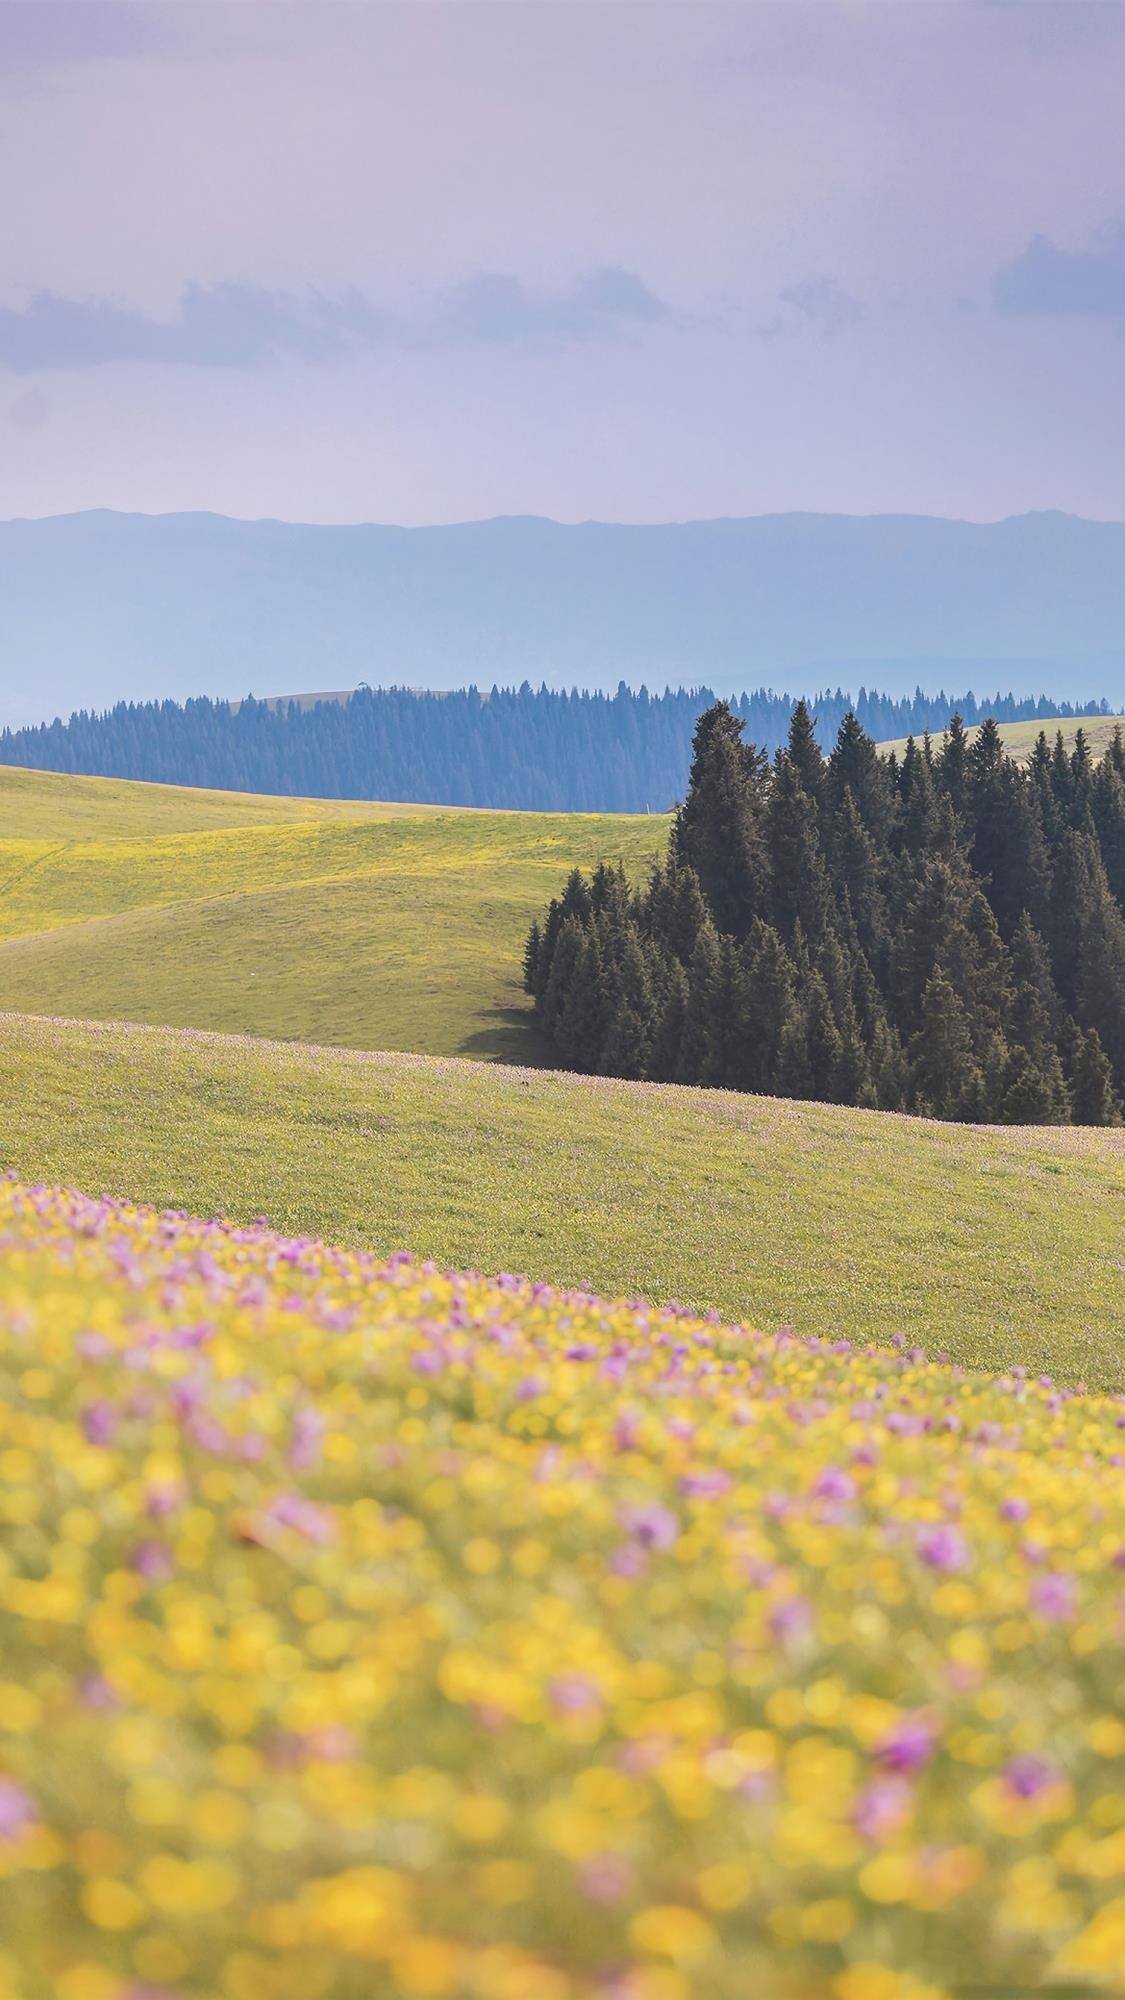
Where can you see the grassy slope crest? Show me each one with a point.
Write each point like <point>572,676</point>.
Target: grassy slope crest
<point>996,1245</point>
<point>1020,738</point>
<point>398,927</point>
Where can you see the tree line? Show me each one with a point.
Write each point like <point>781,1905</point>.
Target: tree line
<point>942,934</point>
<point>542,749</point>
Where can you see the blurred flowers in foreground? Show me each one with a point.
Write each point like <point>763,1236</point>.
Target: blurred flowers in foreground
<point>369,1629</point>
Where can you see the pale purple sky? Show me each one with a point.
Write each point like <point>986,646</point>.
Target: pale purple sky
<point>432,260</point>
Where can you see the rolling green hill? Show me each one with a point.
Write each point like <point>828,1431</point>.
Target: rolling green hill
<point>999,1246</point>
<point>370,926</point>
<point>1020,737</point>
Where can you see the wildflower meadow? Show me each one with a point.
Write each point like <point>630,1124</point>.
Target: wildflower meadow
<point>369,1629</point>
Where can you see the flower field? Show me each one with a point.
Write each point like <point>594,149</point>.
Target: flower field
<point>372,1630</point>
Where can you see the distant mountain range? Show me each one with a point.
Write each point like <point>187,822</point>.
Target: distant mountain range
<point>100,607</point>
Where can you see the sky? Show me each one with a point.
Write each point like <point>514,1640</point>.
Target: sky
<point>437,260</point>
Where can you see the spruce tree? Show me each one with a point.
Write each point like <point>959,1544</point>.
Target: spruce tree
<point>564,959</point>
<point>770,1009</point>
<point>1107,806</point>
<point>627,1045</point>
<point>1092,1093</point>
<point>804,751</point>
<point>531,953</point>
<point>823,1044</point>
<point>703,982</point>
<point>953,764</point>
<point>718,829</point>
<point>944,1072</point>
<point>800,891</point>
<point>855,766</point>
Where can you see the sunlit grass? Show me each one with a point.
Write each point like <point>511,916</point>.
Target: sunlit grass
<point>998,1246</point>
<point>368,926</point>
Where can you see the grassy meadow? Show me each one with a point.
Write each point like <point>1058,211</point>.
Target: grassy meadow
<point>367,926</point>
<point>1020,738</point>
<point>371,1630</point>
<point>997,1246</point>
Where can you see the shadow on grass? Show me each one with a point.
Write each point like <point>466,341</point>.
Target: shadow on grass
<point>507,1034</point>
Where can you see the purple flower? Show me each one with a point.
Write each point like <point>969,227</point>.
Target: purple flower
<point>1028,1776</point>
<point>100,1422</point>
<point>292,1510</point>
<point>95,1693</point>
<point>17,1810</point>
<point>909,1745</point>
<point>305,1438</point>
<point>152,1561</point>
<point>653,1526</point>
<point>1014,1509</point>
<point>882,1808</point>
<point>790,1619</point>
<point>944,1548</point>
<point>626,1431</point>
<point>606,1878</point>
<point>706,1485</point>
<point>575,1694</point>
<point>834,1484</point>
<point>1055,1597</point>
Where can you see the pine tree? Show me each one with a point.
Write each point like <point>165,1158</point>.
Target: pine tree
<point>670,1013</point>
<point>856,873</point>
<point>855,766</point>
<point>952,765</point>
<point>804,751</point>
<point>531,953</point>
<point>627,1045</point>
<point>1092,1090</point>
<point>967,964</point>
<point>583,1018</point>
<point>1107,806</point>
<point>944,1072</point>
<point>564,959</point>
<point>703,981</point>
<point>800,891</point>
<point>770,1008</point>
<point>822,1040</point>
<point>717,831</point>
<point>1031,1095</point>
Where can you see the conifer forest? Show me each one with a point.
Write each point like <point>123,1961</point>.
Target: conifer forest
<point>941,934</point>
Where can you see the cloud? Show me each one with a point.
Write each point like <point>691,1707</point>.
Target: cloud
<point>243,326</point>
<point>823,303</point>
<point>49,34</point>
<point>497,309</point>
<point>1045,279</point>
<point>217,326</point>
<point>816,304</point>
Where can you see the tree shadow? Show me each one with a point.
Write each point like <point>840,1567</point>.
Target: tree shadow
<point>507,1034</point>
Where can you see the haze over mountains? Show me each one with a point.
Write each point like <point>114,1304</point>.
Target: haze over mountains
<point>101,606</point>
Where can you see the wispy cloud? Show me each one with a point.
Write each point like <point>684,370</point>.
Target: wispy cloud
<point>217,326</point>
<point>498,309</point>
<point>817,304</point>
<point>244,326</point>
<point>1045,279</point>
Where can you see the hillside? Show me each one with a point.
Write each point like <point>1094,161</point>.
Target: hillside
<point>371,1630</point>
<point>100,607</point>
<point>370,926</point>
<point>1020,738</point>
<point>837,1222</point>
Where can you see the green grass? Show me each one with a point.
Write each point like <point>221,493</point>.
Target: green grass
<point>998,1246</point>
<point>1020,738</point>
<point>365,926</point>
